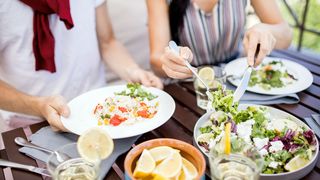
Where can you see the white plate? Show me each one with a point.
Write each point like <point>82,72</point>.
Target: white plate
<point>305,78</point>
<point>82,117</point>
<point>275,113</point>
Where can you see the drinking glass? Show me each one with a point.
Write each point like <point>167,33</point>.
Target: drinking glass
<point>76,168</point>
<point>200,89</point>
<point>246,164</point>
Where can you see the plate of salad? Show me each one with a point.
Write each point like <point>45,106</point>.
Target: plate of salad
<point>122,110</point>
<point>288,146</point>
<point>273,76</point>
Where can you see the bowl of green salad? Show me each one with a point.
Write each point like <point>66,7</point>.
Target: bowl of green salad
<point>288,146</point>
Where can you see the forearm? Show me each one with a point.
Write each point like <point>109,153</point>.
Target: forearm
<point>16,101</point>
<point>118,59</point>
<point>282,33</point>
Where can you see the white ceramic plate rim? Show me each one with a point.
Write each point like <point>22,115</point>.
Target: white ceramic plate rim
<point>304,76</point>
<point>82,118</point>
<point>280,114</point>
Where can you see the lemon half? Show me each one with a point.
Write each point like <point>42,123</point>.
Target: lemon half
<point>95,144</point>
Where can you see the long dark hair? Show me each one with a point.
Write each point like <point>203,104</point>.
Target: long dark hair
<point>177,10</point>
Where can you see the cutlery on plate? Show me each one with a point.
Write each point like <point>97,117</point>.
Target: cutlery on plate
<point>173,46</point>
<point>238,93</point>
<point>61,157</point>
<point>37,170</point>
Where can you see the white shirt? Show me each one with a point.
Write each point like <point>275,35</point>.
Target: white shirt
<point>79,67</point>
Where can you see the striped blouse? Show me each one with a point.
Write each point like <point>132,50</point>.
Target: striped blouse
<point>214,37</point>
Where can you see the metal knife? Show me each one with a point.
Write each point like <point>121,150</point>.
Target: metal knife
<point>316,118</point>
<point>313,125</point>
<point>37,170</point>
<point>238,93</point>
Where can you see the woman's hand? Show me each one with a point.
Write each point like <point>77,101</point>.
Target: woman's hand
<point>52,108</point>
<point>254,36</point>
<point>146,78</point>
<point>174,66</point>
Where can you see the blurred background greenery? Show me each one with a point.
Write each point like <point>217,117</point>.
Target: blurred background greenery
<point>309,40</point>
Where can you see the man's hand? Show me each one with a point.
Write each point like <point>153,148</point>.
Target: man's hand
<point>146,78</point>
<point>52,108</point>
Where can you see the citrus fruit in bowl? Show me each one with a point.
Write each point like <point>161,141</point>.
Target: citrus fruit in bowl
<point>165,158</point>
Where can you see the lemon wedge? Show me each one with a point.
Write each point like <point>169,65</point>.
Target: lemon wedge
<point>95,144</point>
<point>170,167</point>
<point>145,165</point>
<point>227,141</point>
<point>207,75</point>
<point>189,171</point>
<point>160,153</point>
<point>296,163</point>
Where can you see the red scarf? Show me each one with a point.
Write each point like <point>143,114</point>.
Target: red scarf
<point>43,40</point>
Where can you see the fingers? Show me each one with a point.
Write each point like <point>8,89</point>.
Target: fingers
<point>251,48</point>
<point>61,106</point>
<point>264,50</point>
<point>186,53</point>
<point>148,78</point>
<point>174,65</point>
<point>53,119</point>
<point>175,74</point>
<point>172,56</point>
<point>155,81</point>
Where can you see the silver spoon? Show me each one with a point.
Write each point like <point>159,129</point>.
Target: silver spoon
<point>61,157</point>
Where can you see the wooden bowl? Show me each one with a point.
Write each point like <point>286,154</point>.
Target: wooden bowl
<point>187,151</point>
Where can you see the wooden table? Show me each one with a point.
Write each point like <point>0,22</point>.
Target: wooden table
<point>181,124</point>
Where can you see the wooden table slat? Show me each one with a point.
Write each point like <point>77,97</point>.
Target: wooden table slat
<point>3,155</point>
<point>314,91</point>
<point>310,101</point>
<point>14,155</point>
<point>300,56</point>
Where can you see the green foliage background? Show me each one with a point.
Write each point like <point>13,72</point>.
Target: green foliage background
<point>309,40</point>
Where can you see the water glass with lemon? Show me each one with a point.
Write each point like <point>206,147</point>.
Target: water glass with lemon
<point>85,156</point>
<point>239,161</point>
<point>212,76</point>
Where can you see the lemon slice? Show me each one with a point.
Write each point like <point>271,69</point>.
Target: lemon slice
<point>296,163</point>
<point>227,141</point>
<point>95,144</point>
<point>145,165</point>
<point>189,171</point>
<point>160,153</point>
<point>170,167</point>
<point>207,75</point>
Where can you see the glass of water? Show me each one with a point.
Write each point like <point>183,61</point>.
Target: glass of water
<point>218,77</point>
<point>239,165</point>
<point>76,168</point>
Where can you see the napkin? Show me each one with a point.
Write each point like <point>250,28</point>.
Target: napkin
<point>49,139</point>
<point>254,98</point>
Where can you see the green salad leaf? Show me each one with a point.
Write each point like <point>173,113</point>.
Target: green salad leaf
<point>136,91</point>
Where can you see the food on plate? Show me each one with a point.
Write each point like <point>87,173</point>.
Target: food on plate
<point>284,145</point>
<point>95,144</point>
<point>129,106</point>
<point>271,75</point>
<point>164,162</point>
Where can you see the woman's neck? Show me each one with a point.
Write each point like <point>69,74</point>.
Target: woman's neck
<point>206,5</point>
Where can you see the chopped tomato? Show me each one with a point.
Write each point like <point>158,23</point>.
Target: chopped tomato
<point>116,120</point>
<point>144,113</point>
<point>123,109</point>
<point>142,104</point>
